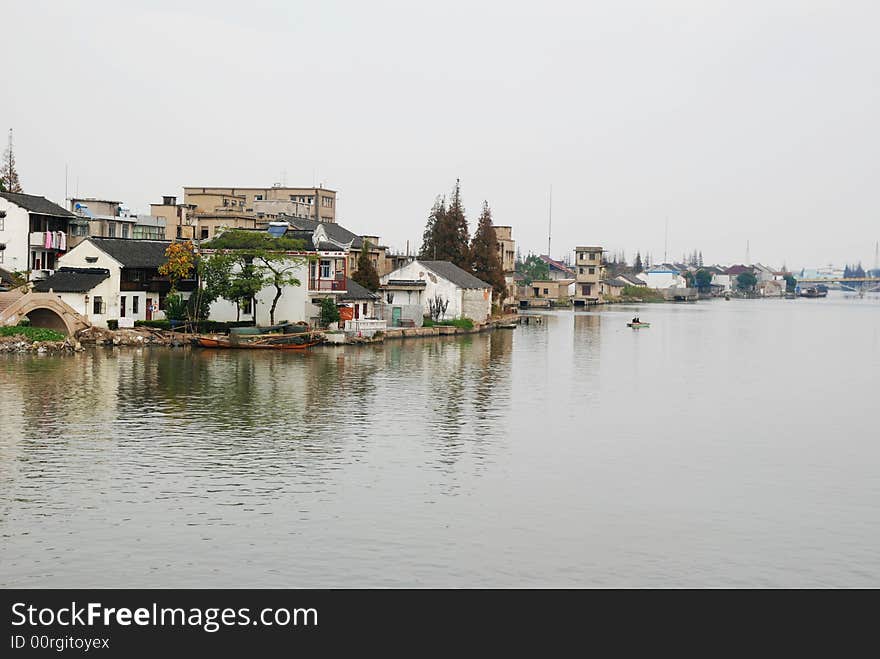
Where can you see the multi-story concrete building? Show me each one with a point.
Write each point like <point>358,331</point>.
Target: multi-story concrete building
<point>507,253</point>
<point>317,204</point>
<point>590,271</point>
<point>179,219</point>
<point>105,218</point>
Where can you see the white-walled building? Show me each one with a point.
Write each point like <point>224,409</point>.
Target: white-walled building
<point>662,276</point>
<point>420,282</point>
<point>132,288</point>
<point>33,233</point>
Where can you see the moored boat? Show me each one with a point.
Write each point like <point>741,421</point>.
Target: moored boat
<point>263,342</point>
<point>638,325</point>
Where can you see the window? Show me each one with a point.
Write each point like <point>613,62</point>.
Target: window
<point>134,305</point>
<point>2,252</point>
<point>2,223</point>
<point>125,231</point>
<point>325,270</point>
<point>98,305</point>
<point>592,271</point>
<point>364,307</point>
<point>180,232</point>
<point>580,271</point>
<point>546,291</point>
<point>587,289</point>
<point>122,307</point>
<point>258,197</point>
<point>204,233</point>
<point>111,229</point>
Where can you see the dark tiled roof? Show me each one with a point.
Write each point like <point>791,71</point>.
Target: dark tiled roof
<point>37,205</point>
<point>737,269</point>
<point>72,280</point>
<point>6,278</point>
<point>612,282</point>
<point>405,282</point>
<point>354,291</point>
<point>632,279</point>
<point>133,253</point>
<point>456,275</point>
<point>334,231</point>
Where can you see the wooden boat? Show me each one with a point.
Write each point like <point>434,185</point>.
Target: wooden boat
<point>262,342</point>
<point>506,326</point>
<point>638,325</point>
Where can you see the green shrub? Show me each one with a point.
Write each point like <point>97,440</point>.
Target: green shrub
<point>32,333</point>
<point>460,323</point>
<point>329,312</point>
<point>113,324</point>
<point>24,322</point>
<point>175,307</point>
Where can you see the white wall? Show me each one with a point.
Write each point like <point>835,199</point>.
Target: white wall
<point>294,304</point>
<point>436,285</point>
<point>15,236</point>
<point>663,279</point>
<point>107,289</point>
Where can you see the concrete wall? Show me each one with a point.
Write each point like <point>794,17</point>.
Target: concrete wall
<point>14,234</point>
<point>477,304</point>
<point>293,305</point>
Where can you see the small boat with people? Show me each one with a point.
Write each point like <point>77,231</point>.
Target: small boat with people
<point>637,323</point>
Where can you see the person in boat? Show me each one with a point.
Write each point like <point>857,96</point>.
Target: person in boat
<point>636,320</point>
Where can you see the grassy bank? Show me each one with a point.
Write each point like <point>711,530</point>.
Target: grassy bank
<point>641,294</point>
<point>32,333</point>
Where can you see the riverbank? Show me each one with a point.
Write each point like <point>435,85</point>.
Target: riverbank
<point>25,340</point>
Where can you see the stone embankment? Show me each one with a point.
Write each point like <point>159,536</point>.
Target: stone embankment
<point>94,336</point>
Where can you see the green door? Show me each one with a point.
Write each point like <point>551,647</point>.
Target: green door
<point>395,316</point>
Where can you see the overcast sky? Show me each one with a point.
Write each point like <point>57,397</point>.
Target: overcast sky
<point>738,121</point>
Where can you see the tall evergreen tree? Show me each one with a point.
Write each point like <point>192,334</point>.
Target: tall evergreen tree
<point>8,173</point>
<point>485,261</point>
<point>637,264</point>
<point>366,274</point>
<point>429,237</point>
<point>446,235</point>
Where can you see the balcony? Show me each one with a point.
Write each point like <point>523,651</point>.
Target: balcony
<point>327,285</point>
<point>38,239</point>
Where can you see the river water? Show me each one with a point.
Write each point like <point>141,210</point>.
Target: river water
<point>730,444</point>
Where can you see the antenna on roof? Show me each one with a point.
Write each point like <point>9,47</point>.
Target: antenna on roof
<point>550,221</point>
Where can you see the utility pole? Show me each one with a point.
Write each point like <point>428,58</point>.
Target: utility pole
<point>550,222</point>
<point>665,239</point>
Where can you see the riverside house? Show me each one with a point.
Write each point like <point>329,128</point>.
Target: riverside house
<point>34,233</point>
<point>114,279</point>
<point>410,291</point>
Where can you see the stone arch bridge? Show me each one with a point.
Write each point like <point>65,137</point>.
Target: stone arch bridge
<point>42,309</point>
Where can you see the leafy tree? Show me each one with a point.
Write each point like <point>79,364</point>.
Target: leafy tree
<point>366,274</point>
<point>534,269</point>
<point>9,181</point>
<point>485,261</point>
<point>703,280</point>
<point>180,264</point>
<point>269,256</point>
<point>746,281</point>
<point>329,311</point>
<point>790,283</point>
<point>637,264</point>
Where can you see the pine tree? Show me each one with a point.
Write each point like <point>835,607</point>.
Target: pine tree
<point>446,234</point>
<point>366,274</point>
<point>429,237</point>
<point>637,264</point>
<point>485,262</point>
<point>700,259</point>
<point>8,173</point>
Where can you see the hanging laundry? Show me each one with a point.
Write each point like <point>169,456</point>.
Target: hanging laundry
<point>62,243</point>
<point>47,240</point>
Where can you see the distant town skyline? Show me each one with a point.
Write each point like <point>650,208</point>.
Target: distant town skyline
<point>753,122</point>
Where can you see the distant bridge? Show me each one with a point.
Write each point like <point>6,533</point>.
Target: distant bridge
<point>855,284</point>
